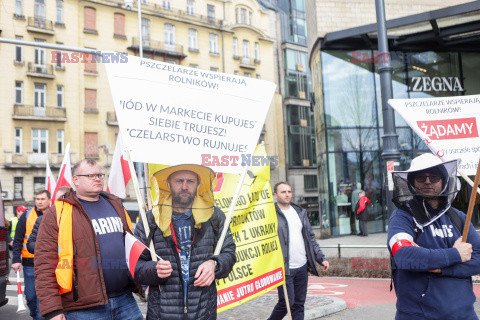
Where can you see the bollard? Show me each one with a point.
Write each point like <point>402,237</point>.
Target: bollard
<point>339,253</point>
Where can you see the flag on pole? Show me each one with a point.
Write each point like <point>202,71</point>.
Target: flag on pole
<point>119,172</point>
<point>65,173</point>
<point>50,183</point>
<point>133,250</point>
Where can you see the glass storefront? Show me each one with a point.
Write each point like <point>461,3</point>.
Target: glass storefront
<point>351,124</point>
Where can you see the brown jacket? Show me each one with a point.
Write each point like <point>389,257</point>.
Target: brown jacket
<point>88,287</point>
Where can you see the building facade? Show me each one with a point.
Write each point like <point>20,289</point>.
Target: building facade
<point>52,98</point>
<point>427,40</point>
<point>299,123</point>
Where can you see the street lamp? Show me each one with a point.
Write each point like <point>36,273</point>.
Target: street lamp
<point>129,6</point>
<point>139,167</point>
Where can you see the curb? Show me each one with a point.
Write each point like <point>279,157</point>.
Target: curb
<point>336,306</point>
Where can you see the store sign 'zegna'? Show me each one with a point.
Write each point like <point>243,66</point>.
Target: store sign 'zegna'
<point>443,84</point>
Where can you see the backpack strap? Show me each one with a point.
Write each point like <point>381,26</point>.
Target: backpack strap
<point>457,222</point>
<point>216,228</point>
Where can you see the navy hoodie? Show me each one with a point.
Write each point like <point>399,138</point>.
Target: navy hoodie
<point>422,294</point>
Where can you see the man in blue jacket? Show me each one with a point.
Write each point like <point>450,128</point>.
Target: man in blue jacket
<point>432,267</point>
<point>300,253</point>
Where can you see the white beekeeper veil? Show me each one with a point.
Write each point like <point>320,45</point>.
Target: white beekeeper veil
<point>406,197</point>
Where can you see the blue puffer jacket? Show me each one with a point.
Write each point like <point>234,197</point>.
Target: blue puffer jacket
<point>167,303</point>
<point>426,295</point>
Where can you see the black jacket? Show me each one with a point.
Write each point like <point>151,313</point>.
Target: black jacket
<point>167,303</point>
<point>314,253</point>
<point>33,236</point>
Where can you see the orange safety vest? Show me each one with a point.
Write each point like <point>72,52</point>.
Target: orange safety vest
<point>31,218</point>
<point>64,270</point>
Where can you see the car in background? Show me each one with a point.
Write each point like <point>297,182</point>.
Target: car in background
<point>3,254</point>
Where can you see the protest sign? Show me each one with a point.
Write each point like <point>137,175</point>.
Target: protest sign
<point>259,267</point>
<point>449,126</point>
<point>173,114</point>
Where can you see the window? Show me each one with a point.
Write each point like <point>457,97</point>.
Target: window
<point>167,5</point>
<point>243,16</point>
<point>89,16</point>
<point>40,63</point>
<point>18,51</point>
<point>211,13</point>
<point>214,69</point>
<point>91,145</point>
<point>213,43</point>
<point>38,184</point>
<point>91,65</point>
<point>18,188</point>
<point>235,47</point>
<point>18,140</point>
<point>236,73</point>
<point>192,65</point>
<point>246,52</point>
<point>39,140</point>
<point>18,8</point>
<point>247,74</point>
<point>39,99</point>
<point>310,182</point>
<point>301,136</point>
<point>250,18</point>
<point>60,97</point>
<point>257,51</point>
<point>169,36</point>
<point>146,32</point>
<point>60,141</point>
<point>90,99</point>
<point>60,11</point>
<point>190,5</point>
<point>59,64</point>
<point>39,12</point>
<point>18,92</point>
<point>257,76</point>
<point>192,39</point>
<point>119,24</point>
<point>236,15</point>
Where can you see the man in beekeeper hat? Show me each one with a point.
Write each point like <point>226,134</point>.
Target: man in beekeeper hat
<point>432,267</point>
<point>184,227</point>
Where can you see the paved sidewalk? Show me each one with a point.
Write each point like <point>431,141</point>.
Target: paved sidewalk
<point>372,239</point>
<point>260,308</point>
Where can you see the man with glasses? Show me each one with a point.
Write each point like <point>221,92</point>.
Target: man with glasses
<point>432,268</point>
<point>81,272</point>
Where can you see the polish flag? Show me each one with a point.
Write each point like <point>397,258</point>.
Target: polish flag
<point>49,179</point>
<point>133,250</point>
<point>65,173</point>
<point>119,172</point>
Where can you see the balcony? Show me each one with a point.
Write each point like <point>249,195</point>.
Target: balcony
<point>246,63</point>
<point>24,112</point>
<point>40,25</point>
<point>112,119</point>
<point>159,47</point>
<point>31,160</point>
<point>40,71</point>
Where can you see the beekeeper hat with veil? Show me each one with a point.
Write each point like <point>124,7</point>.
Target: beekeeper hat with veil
<point>410,199</point>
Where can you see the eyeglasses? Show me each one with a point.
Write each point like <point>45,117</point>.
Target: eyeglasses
<point>93,176</point>
<point>423,177</point>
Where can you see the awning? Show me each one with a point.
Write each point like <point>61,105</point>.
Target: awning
<point>455,28</point>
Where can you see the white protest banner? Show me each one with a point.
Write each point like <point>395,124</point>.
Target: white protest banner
<point>172,114</point>
<point>449,126</point>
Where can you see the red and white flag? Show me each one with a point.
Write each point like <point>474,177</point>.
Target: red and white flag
<point>133,250</point>
<point>119,172</point>
<point>50,183</point>
<point>65,173</point>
